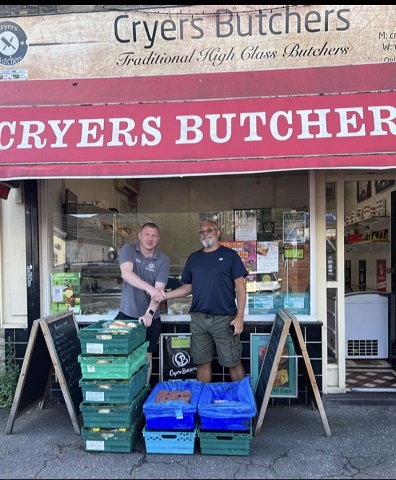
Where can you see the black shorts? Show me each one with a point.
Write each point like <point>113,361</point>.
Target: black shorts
<point>153,332</point>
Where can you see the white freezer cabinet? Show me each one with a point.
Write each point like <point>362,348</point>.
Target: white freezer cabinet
<point>366,325</point>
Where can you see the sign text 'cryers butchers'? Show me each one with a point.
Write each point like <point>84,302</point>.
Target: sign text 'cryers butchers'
<point>224,129</point>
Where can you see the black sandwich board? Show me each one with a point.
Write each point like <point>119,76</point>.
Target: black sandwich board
<point>53,346</point>
<point>284,323</point>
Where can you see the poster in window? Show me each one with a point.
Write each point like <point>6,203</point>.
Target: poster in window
<point>247,252</point>
<point>65,292</point>
<point>245,225</point>
<point>381,275</point>
<point>363,190</point>
<point>267,257</point>
<point>285,383</point>
<point>381,185</point>
<point>294,224</point>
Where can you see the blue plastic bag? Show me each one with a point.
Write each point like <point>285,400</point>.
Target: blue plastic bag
<point>173,414</point>
<point>227,400</point>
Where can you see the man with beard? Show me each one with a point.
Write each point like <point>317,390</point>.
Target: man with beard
<point>215,276</point>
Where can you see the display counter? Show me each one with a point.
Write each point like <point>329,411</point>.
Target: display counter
<point>185,319</point>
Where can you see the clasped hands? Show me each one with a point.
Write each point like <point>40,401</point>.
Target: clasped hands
<point>159,296</point>
<point>156,294</point>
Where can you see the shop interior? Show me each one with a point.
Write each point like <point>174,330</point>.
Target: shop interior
<point>272,241</point>
<point>257,214</point>
<point>367,279</point>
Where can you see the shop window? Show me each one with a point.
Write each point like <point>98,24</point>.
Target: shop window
<point>273,243</point>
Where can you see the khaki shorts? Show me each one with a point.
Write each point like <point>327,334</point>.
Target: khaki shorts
<point>209,332</point>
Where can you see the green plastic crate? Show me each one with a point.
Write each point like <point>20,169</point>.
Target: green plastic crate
<point>224,443</point>
<point>114,440</point>
<point>113,367</point>
<point>114,415</point>
<point>170,441</point>
<point>114,391</point>
<point>100,339</point>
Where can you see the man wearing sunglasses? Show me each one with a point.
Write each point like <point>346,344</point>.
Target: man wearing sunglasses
<point>214,275</point>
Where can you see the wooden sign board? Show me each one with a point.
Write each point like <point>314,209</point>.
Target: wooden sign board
<point>285,323</point>
<point>53,346</point>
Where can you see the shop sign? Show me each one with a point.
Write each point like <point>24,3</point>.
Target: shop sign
<point>294,253</point>
<point>188,39</point>
<point>225,136</point>
<point>176,361</point>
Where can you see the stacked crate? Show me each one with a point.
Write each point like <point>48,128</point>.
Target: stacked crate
<point>171,413</point>
<point>225,412</point>
<point>114,384</point>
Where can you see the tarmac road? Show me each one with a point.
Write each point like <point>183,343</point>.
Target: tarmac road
<point>291,444</point>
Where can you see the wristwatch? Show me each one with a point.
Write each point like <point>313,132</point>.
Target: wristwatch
<point>151,312</point>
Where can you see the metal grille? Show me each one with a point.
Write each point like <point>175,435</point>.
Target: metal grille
<point>359,348</point>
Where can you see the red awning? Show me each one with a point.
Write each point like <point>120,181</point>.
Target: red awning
<point>235,122</point>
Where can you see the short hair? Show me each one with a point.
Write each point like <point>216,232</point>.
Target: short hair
<point>210,220</point>
<point>149,224</point>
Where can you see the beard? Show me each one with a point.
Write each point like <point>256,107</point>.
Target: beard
<point>207,242</point>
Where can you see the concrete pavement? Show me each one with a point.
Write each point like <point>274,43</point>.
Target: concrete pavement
<point>292,444</point>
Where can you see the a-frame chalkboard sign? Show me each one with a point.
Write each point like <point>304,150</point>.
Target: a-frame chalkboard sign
<point>53,346</point>
<point>285,323</point>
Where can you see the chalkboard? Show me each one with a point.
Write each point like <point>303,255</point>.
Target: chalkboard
<point>269,367</point>
<point>61,335</point>
<point>308,374</point>
<point>53,346</point>
<point>285,323</point>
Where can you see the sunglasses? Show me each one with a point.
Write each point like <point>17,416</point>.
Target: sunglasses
<point>204,231</point>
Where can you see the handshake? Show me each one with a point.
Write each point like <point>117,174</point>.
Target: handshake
<point>158,295</point>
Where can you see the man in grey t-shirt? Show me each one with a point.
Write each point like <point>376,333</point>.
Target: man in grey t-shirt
<point>145,271</point>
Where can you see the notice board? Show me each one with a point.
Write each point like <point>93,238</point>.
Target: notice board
<point>285,323</point>
<point>53,346</point>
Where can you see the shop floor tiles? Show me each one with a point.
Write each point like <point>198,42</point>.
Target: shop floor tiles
<point>363,363</point>
<point>370,375</point>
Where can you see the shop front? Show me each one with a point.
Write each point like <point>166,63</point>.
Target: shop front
<point>275,155</point>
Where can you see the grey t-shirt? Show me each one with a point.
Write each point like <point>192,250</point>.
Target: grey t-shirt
<point>134,302</point>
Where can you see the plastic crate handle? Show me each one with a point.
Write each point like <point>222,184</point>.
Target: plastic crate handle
<point>223,437</point>
<point>104,337</point>
<point>105,410</point>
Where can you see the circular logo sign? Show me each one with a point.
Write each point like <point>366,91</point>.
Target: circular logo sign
<point>13,44</point>
<point>181,359</point>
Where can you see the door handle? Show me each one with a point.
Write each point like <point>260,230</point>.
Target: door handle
<point>390,270</point>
